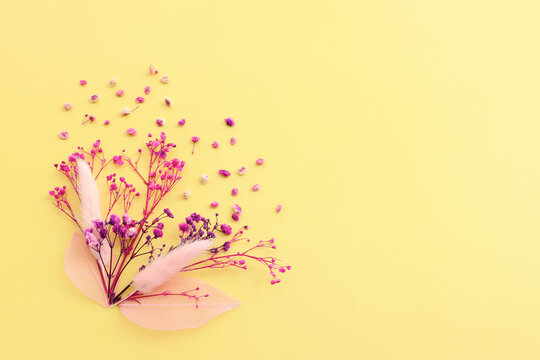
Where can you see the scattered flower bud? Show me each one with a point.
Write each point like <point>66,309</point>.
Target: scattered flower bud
<point>214,204</point>
<point>181,122</point>
<point>125,111</point>
<point>94,98</point>
<point>234,192</point>
<point>194,139</point>
<point>242,170</point>
<point>63,135</point>
<point>92,117</point>
<point>233,141</point>
<point>112,82</point>
<point>259,161</point>
<point>82,82</point>
<point>227,230</point>
<point>235,217</point>
<point>139,99</point>
<point>187,194</point>
<point>131,131</point>
<point>204,178</point>
<point>215,144</point>
<point>147,89</point>
<point>107,122</point>
<point>120,93</point>
<point>278,208</point>
<point>153,69</point>
<point>168,102</point>
<point>160,121</point>
<point>224,173</point>
<point>237,209</point>
<point>68,106</point>
<point>164,79</point>
<point>229,121</point>
<point>256,187</point>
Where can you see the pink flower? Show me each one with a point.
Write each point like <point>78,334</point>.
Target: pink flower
<point>195,139</point>
<point>233,141</point>
<point>234,192</point>
<point>63,135</point>
<point>256,187</point>
<point>131,131</point>
<point>160,121</point>
<point>229,121</point>
<point>168,102</point>
<point>92,117</point>
<point>112,82</point>
<point>235,217</point>
<point>118,160</point>
<point>82,82</point>
<point>214,204</point>
<point>259,161</point>
<point>107,122</point>
<point>224,173</point>
<point>152,69</point>
<point>68,106</point>
<point>139,99</point>
<point>120,93</point>
<point>237,209</point>
<point>227,230</point>
<point>278,208</point>
<point>215,144</point>
<point>164,79</point>
<point>94,98</point>
<point>242,170</point>
<point>147,89</point>
<point>125,111</point>
<point>181,122</point>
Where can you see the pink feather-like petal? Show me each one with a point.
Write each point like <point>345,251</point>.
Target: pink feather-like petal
<point>82,268</point>
<point>174,312</point>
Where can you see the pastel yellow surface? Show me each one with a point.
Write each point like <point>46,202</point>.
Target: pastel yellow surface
<point>401,137</point>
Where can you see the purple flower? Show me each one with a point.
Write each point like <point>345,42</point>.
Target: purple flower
<point>229,121</point>
<point>158,233</point>
<point>224,173</point>
<point>168,213</point>
<point>226,245</point>
<point>227,230</point>
<point>183,227</point>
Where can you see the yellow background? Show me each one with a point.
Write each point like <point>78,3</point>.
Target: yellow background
<point>402,138</point>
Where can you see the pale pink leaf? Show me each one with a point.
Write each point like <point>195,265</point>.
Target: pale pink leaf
<point>82,268</point>
<point>173,312</point>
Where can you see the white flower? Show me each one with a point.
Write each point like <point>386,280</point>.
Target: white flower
<point>164,79</point>
<point>204,178</point>
<point>125,111</point>
<point>187,194</point>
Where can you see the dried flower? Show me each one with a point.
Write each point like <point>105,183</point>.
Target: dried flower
<point>63,135</point>
<point>112,82</point>
<point>153,69</point>
<point>194,140</point>
<point>256,187</point>
<point>68,106</point>
<point>107,122</point>
<point>235,216</point>
<point>120,93</point>
<point>94,98</point>
<point>237,209</point>
<point>160,121</point>
<point>214,204</point>
<point>278,208</point>
<point>168,102</point>
<point>147,89</point>
<point>204,178</point>
<point>83,82</point>
<point>227,230</point>
<point>224,173</point>
<point>233,141</point>
<point>229,121</point>
<point>187,194</point>
<point>125,111</point>
<point>234,192</point>
<point>164,79</point>
<point>181,122</point>
<point>131,131</point>
<point>259,161</point>
<point>242,170</point>
<point>215,144</point>
<point>139,99</point>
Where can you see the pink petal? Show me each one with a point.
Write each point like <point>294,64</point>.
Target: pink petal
<point>173,312</point>
<point>82,268</point>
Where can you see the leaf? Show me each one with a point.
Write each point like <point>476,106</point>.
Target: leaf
<point>82,268</point>
<point>173,312</point>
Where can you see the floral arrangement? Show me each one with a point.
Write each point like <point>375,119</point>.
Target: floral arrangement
<point>107,244</point>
